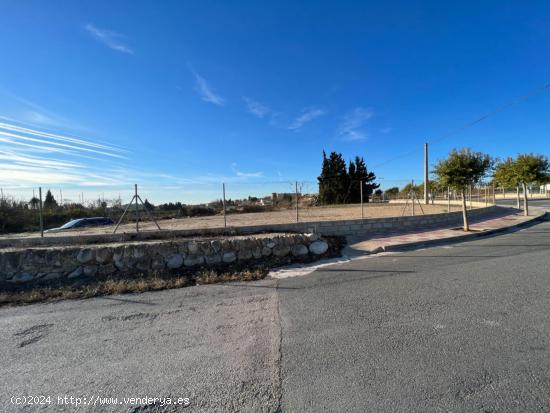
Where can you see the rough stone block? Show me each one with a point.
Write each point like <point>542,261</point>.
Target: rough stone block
<point>22,277</point>
<point>299,250</point>
<point>245,254</point>
<point>229,256</point>
<point>192,260</point>
<point>281,250</point>
<point>193,247</point>
<point>103,255</point>
<point>213,259</point>
<point>89,270</point>
<point>85,255</point>
<point>174,261</point>
<point>76,273</point>
<point>318,247</point>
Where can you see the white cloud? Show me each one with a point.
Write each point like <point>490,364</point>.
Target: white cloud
<point>256,108</point>
<point>307,116</point>
<point>36,157</point>
<point>352,127</point>
<point>241,174</point>
<point>12,137</point>
<point>205,91</point>
<point>109,38</point>
<point>250,174</point>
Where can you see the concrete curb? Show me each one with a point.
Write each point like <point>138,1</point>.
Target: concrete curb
<point>452,240</point>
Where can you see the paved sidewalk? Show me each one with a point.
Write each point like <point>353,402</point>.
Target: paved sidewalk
<point>408,238</point>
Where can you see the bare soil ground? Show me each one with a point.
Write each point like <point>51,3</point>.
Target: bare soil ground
<point>261,218</point>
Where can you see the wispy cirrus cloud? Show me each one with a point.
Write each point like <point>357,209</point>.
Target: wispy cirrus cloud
<point>206,92</point>
<point>307,116</point>
<point>241,174</point>
<point>352,126</point>
<point>30,156</point>
<point>257,108</point>
<point>109,38</point>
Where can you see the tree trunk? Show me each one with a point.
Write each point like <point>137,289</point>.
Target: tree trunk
<point>464,211</point>
<point>525,204</point>
<point>518,204</point>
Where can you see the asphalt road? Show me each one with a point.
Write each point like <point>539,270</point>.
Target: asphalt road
<point>463,327</point>
<point>540,203</point>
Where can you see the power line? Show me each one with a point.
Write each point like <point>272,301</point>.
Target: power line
<point>513,102</point>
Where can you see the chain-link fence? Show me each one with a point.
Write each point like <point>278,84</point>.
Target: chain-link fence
<point>210,204</point>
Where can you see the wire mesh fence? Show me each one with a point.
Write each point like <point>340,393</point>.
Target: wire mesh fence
<point>232,204</point>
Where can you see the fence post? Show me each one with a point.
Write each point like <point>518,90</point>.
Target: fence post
<point>296,188</point>
<point>494,195</point>
<point>448,199</point>
<point>137,208</point>
<point>40,212</point>
<point>413,195</point>
<point>223,204</point>
<point>361,194</point>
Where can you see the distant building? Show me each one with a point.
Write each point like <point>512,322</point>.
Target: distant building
<point>279,196</point>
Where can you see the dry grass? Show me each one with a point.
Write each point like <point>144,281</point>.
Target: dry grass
<point>16,295</point>
<point>212,276</point>
<point>313,214</point>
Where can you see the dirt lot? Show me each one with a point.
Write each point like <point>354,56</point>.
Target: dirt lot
<point>261,218</point>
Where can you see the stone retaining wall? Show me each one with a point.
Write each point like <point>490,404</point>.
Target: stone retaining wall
<point>54,263</point>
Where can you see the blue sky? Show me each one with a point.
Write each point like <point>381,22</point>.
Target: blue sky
<point>180,96</point>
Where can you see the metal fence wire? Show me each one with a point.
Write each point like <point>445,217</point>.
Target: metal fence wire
<point>231,204</point>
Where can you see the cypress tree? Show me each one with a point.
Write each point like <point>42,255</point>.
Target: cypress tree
<point>49,201</point>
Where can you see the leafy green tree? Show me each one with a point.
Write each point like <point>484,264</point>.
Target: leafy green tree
<point>434,186</point>
<point>34,202</point>
<point>531,169</point>
<point>391,192</point>
<point>49,201</point>
<point>505,175</point>
<point>462,169</point>
<point>418,189</point>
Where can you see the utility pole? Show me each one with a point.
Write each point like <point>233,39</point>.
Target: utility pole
<point>426,179</point>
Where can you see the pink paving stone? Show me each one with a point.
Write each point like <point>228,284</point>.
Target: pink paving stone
<point>377,241</point>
